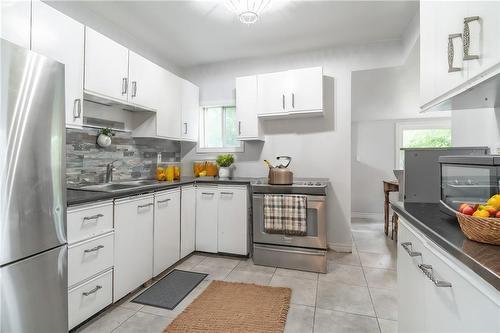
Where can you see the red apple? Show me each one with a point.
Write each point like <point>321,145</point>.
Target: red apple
<point>469,210</point>
<point>497,215</point>
<point>462,206</point>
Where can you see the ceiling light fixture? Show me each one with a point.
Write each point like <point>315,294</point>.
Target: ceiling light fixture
<point>248,11</point>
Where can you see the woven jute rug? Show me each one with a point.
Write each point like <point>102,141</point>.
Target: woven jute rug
<point>231,307</point>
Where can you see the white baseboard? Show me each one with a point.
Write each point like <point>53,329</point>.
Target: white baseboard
<point>368,216</point>
<point>340,247</point>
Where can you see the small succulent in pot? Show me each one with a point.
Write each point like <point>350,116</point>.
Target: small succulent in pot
<point>104,137</point>
<point>224,162</point>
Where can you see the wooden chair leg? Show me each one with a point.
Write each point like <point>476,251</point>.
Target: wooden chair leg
<point>394,231</point>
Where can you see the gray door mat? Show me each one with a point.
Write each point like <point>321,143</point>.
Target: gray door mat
<point>171,289</point>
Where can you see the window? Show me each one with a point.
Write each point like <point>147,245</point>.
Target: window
<point>421,134</point>
<point>218,130</point>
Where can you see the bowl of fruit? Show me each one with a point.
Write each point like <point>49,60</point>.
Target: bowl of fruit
<point>481,223</point>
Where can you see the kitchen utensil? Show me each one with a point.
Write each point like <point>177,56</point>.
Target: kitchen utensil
<point>280,175</point>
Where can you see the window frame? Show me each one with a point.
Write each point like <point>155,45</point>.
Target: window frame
<point>440,123</point>
<point>200,148</point>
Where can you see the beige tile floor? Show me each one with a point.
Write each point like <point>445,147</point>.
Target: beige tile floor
<point>358,294</point>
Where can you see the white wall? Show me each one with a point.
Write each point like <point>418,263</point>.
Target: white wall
<point>320,147</point>
<point>380,99</point>
<point>478,127</point>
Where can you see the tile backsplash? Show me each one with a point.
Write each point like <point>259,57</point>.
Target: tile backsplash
<point>137,157</point>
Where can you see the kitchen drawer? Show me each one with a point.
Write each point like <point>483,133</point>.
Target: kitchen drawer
<point>90,257</point>
<point>89,221</point>
<point>89,298</point>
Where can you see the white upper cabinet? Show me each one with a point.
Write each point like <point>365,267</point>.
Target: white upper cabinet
<point>271,96</point>
<point>459,48</point>
<point>168,116</point>
<point>249,126</point>
<point>293,92</point>
<point>106,67</point>
<point>190,103</point>
<point>484,36</point>
<point>305,90</point>
<point>61,38</point>
<point>15,22</point>
<point>143,78</point>
<point>451,69</point>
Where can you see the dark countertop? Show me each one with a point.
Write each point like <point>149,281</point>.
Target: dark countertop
<point>444,230</point>
<point>76,197</point>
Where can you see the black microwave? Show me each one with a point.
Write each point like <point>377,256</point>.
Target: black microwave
<point>468,179</point>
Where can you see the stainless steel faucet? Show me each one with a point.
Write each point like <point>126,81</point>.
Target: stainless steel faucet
<point>109,171</point>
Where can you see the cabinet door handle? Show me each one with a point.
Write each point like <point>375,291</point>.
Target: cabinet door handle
<point>93,217</point>
<point>293,100</point>
<point>466,39</point>
<point>207,193</point>
<point>239,127</point>
<point>144,206</point>
<point>77,108</point>
<point>428,271</point>
<point>408,248</point>
<point>451,53</point>
<point>185,128</point>
<point>90,292</point>
<point>283,101</point>
<point>226,193</point>
<point>134,88</point>
<point>94,249</point>
<point>163,201</point>
<point>124,86</point>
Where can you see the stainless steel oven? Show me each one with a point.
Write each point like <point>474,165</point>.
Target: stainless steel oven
<point>306,252</point>
<point>315,237</point>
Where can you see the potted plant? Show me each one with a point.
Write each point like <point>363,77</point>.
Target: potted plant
<point>224,162</point>
<point>104,137</point>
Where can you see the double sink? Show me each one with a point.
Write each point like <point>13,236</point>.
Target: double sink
<point>114,187</point>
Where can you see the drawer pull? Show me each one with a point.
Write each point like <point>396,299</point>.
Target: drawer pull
<point>427,270</point>
<point>93,217</point>
<point>146,205</point>
<point>207,193</point>
<point>466,38</point>
<point>97,248</point>
<point>226,193</point>
<point>163,201</point>
<point>451,53</point>
<point>408,248</point>
<point>90,292</point>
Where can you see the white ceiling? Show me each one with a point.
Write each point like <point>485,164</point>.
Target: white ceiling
<point>189,33</point>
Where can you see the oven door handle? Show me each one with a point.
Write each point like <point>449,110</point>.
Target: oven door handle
<point>293,251</point>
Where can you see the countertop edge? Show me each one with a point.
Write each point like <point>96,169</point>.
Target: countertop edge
<point>95,196</point>
<point>483,272</point>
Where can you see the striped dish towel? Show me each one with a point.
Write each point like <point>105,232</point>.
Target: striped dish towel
<point>295,214</point>
<point>273,213</point>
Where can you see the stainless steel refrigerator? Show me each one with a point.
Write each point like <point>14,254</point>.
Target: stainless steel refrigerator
<point>33,250</point>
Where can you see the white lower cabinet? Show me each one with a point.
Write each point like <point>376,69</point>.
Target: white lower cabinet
<point>90,257</point>
<point>206,221</point>
<point>89,298</point>
<point>222,219</point>
<point>133,243</point>
<point>188,220</point>
<point>90,260</point>
<point>167,231</point>
<point>232,220</point>
<point>468,304</point>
